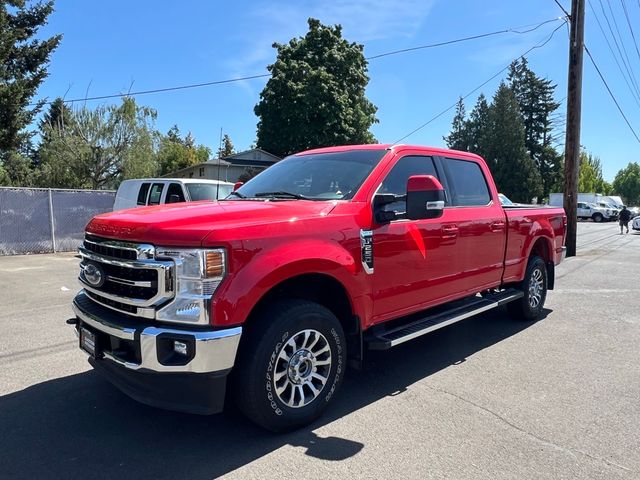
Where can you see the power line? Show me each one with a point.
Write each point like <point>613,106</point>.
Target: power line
<point>562,8</point>
<point>252,77</point>
<point>633,35</point>
<point>634,94</point>
<point>539,45</point>
<point>611,93</point>
<point>615,41</point>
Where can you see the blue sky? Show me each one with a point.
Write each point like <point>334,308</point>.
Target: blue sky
<point>117,46</point>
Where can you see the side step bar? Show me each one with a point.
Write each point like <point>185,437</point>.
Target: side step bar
<point>417,328</point>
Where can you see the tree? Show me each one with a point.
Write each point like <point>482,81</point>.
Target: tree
<point>176,153</point>
<point>100,147</point>
<point>590,178</point>
<point>23,67</point>
<point>627,183</point>
<point>458,138</point>
<point>226,150</point>
<point>534,95</point>
<point>478,127</point>
<point>57,117</point>
<point>316,94</point>
<point>513,170</point>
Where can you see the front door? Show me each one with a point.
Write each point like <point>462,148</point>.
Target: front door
<point>415,261</point>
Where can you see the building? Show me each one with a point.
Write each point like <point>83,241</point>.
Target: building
<point>229,168</point>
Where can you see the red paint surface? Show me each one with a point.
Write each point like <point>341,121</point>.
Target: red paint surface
<point>418,263</point>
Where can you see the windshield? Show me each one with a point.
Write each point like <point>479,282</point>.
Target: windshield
<point>321,176</point>
<point>207,191</point>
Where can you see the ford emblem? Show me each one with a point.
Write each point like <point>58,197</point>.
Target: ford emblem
<point>94,275</point>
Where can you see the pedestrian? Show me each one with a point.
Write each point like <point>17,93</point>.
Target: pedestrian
<point>625,216</point>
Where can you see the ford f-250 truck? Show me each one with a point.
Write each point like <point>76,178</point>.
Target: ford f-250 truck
<point>266,296</point>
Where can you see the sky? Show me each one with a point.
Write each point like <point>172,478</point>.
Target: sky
<point>118,46</point>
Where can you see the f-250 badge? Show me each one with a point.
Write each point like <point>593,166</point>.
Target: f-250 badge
<point>366,247</point>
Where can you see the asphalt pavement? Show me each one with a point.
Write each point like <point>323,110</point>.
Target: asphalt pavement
<point>488,398</point>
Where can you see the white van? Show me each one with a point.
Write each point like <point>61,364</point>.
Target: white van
<point>156,191</point>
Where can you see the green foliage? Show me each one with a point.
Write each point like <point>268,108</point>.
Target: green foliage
<point>590,178</point>
<point>16,170</point>
<point>478,127</point>
<point>627,183</point>
<point>514,171</point>
<point>100,147</point>
<point>23,67</point>
<point>458,138</point>
<point>534,95</point>
<point>226,149</point>
<point>176,153</point>
<point>316,94</point>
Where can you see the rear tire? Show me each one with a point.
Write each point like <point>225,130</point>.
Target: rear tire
<point>290,365</point>
<point>534,286</point>
<point>597,217</point>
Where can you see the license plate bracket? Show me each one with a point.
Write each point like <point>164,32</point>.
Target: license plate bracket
<point>89,342</point>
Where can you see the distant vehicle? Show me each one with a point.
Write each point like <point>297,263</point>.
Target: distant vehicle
<point>504,200</point>
<point>636,223</point>
<point>157,191</point>
<point>615,211</point>
<point>594,212</point>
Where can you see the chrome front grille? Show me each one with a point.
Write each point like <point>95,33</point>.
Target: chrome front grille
<point>125,276</point>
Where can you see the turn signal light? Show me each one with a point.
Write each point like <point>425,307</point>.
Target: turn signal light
<point>215,264</point>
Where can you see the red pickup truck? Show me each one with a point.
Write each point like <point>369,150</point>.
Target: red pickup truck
<point>266,296</point>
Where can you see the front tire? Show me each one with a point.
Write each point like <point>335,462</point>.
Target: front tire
<point>534,287</point>
<point>290,366</point>
<point>597,217</point>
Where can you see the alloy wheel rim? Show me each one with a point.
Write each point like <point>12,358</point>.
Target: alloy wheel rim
<point>302,368</point>
<point>536,284</point>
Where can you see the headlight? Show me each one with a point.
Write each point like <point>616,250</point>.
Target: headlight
<point>197,275</point>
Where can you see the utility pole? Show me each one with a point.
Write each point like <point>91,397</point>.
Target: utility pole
<point>574,111</point>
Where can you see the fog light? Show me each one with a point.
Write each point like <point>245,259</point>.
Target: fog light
<point>180,348</point>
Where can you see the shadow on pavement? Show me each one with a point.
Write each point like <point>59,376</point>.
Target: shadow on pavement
<point>82,427</point>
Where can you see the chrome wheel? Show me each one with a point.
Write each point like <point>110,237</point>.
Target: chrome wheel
<point>536,288</point>
<point>302,368</point>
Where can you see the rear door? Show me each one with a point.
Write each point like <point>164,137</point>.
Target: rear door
<point>174,190</point>
<point>478,222</point>
<point>155,194</point>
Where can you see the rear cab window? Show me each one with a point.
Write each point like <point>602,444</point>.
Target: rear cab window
<point>468,185</point>
<point>175,189</point>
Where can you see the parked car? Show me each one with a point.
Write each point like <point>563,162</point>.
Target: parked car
<point>321,257</point>
<point>635,224</point>
<point>156,191</point>
<point>594,212</point>
<point>614,211</point>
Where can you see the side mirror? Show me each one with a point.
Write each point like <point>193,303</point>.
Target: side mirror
<point>237,185</point>
<point>425,197</point>
<point>173,198</point>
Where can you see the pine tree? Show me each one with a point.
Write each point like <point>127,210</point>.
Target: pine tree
<point>477,127</point>
<point>513,170</point>
<point>23,67</point>
<point>458,138</point>
<point>535,100</point>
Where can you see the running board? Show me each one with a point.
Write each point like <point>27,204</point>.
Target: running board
<point>417,328</point>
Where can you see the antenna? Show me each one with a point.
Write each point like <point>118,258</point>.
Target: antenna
<point>219,152</point>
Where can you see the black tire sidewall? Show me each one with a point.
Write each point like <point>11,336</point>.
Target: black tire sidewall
<point>528,312</point>
<point>287,319</point>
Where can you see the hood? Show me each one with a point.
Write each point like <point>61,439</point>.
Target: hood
<point>187,224</point>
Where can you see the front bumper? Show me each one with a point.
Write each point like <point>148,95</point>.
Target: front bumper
<point>137,356</point>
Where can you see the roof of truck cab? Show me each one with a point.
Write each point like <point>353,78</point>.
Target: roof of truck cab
<point>179,180</point>
<point>390,146</point>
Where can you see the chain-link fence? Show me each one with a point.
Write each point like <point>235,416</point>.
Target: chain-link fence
<point>42,220</point>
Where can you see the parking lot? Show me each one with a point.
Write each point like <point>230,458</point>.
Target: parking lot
<point>487,398</point>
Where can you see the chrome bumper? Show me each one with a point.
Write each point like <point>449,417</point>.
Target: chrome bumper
<point>215,350</point>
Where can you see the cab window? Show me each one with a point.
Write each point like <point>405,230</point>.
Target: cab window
<point>142,194</point>
<point>156,193</point>
<point>468,184</point>
<point>396,180</point>
<point>175,189</point>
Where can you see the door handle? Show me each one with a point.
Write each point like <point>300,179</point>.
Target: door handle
<point>449,230</point>
<point>497,226</point>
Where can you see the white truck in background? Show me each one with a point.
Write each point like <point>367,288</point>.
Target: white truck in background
<point>594,206</point>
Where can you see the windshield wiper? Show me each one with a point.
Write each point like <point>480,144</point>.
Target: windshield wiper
<point>237,194</point>
<point>281,194</point>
